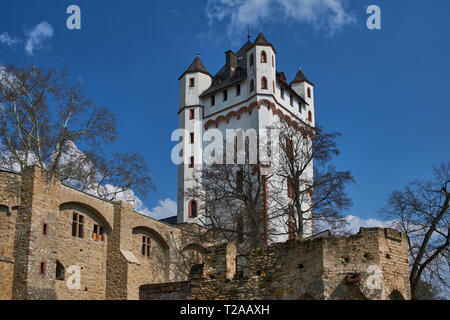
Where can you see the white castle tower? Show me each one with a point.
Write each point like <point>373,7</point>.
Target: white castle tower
<point>247,92</point>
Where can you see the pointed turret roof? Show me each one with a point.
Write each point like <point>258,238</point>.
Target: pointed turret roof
<point>300,77</point>
<point>261,41</point>
<point>196,66</point>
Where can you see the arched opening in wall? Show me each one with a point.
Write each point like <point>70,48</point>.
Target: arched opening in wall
<point>309,92</point>
<point>252,60</point>
<point>396,295</point>
<point>263,57</point>
<point>310,116</point>
<point>153,253</point>
<point>191,255</point>
<point>83,221</point>
<point>263,83</point>
<point>273,62</point>
<point>252,85</point>
<point>193,209</point>
<point>306,296</point>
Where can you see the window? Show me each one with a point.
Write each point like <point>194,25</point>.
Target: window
<point>191,82</point>
<point>310,116</point>
<point>225,95</point>
<point>273,87</point>
<point>240,229</point>
<point>191,138</point>
<point>77,225</point>
<point>238,90</point>
<point>59,271</point>
<point>252,58</point>
<point>291,100</point>
<point>193,210</point>
<point>291,222</point>
<point>146,245</point>
<point>213,100</point>
<point>282,93</point>
<point>239,181</point>
<point>191,114</point>
<point>42,267</point>
<point>263,83</point>
<point>252,85</point>
<point>45,229</point>
<point>191,162</point>
<point>263,57</point>
<point>97,233</point>
<point>273,61</point>
<point>309,93</point>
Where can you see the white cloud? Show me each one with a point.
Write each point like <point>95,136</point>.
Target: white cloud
<point>5,38</point>
<point>354,223</point>
<point>167,208</point>
<point>37,36</point>
<point>328,15</point>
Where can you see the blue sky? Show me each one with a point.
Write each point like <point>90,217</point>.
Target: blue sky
<point>384,90</point>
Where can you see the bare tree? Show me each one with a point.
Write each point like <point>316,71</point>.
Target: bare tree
<point>230,200</point>
<point>421,211</point>
<point>46,121</point>
<point>315,194</point>
<point>244,203</point>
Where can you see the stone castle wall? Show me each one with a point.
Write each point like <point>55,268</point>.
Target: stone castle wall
<point>372,264</point>
<point>9,200</point>
<point>111,268</point>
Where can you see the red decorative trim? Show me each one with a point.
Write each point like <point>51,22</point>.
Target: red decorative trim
<point>266,210</point>
<point>263,57</point>
<point>264,84</point>
<point>311,192</point>
<point>190,208</point>
<point>256,104</point>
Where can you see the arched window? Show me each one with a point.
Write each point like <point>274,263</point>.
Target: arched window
<point>263,57</point>
<point>263,83</point>
<point>193,209</point>
<point>273,62</point>
<point>252,60</point>
<point>252,85</point>
<point>273,85</point>
<point>309,116</point>
<point>309,92</point>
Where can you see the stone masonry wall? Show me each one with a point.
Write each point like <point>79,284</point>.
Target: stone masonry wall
<point>112,268</point>
<point>9,200</point>
<point>165,291</point>
<point>372,264</point>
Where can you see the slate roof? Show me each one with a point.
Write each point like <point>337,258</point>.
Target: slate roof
<point>260,39</point>
<point>223,79</point>
<point>196,66</point>
<point>300,77</point>
<point>170,220</point>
